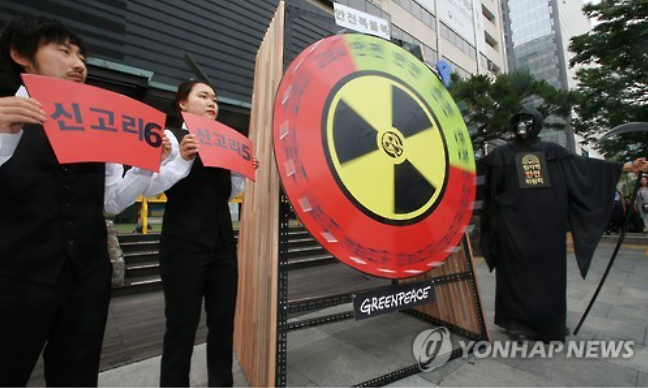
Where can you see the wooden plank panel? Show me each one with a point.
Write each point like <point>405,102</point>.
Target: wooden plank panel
<point>255,339</point>
<point>456,302</point>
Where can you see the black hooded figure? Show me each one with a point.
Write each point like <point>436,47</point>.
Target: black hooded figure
<point>535,192</point>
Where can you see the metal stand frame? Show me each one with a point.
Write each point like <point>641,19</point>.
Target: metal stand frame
<point>287,307</point>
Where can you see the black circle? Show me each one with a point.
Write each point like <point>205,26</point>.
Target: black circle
<point>327,106</point>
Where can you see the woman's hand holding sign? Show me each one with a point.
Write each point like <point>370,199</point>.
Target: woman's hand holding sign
<point>188,147</point>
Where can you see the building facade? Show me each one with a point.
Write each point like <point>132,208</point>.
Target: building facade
<point>139,50</point>
<point>537,40</point>
<point>466,33</point>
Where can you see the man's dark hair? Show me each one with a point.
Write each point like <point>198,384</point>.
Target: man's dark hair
<point>26,34</point>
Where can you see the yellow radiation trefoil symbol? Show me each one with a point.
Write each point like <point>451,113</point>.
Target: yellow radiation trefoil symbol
<point>385,147</point>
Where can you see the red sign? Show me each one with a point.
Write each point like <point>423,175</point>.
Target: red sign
<point>374,155</point>
<point>221,146</point>
<point>89,124</point>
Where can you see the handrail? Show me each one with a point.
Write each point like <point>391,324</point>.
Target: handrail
<point>163,199</point>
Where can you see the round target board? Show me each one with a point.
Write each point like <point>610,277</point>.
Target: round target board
<point>374,155</point>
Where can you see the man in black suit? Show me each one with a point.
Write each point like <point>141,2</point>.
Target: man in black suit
<point>54,267</point>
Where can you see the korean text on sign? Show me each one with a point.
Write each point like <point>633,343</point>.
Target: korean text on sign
<point>365,23</point>
<point>221,146</point>
<point>89,124</point>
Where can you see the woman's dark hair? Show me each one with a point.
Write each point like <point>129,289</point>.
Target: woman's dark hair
<point>183,92</point>
<point>25,34</point>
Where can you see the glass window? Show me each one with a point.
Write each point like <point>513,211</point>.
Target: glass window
<point>429,54</point>
<point>417,11</point>
<point>444,31</point>
<point>452,37</point>
<point>358,4</point>
<point>373,10</point>
<point>396,32</point>
<point>427,18</point>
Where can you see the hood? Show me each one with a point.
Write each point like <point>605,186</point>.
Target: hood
<point>527,124</point>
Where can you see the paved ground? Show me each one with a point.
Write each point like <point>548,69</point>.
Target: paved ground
<point>350,352</point>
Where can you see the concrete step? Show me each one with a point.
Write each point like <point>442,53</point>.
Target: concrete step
<point>144,270</point>
<point>139,285</point>
<point>302,241</point>
<point>139,246</point>
<point>143,257</point>
<point>295,252</point>
<point>629,239</point>
<point>137,237</point>
<point>311,261</point>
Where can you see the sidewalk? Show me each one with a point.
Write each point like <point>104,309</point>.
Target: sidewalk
<point>349,352</point>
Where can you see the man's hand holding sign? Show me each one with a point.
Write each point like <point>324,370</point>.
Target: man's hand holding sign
<point>17,111</point>
<point>220,145</point>
<point>88,124</point>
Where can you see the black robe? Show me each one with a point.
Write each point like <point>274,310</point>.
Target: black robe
<point>524,232</point>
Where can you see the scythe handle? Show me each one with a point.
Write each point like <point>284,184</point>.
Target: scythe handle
<point>614,255</point>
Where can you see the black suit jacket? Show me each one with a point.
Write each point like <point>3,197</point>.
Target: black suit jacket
<point>197,208</point>
<point>50,213</point>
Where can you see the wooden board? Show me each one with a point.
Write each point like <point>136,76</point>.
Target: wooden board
<point>458,303</point>
<point>255,334</point>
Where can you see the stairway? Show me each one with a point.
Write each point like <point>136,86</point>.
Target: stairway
<point>142,272</point>
<point>141,252</point>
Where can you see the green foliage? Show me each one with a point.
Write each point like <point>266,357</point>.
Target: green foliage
<point>488,103</point>
<point>614,76</point>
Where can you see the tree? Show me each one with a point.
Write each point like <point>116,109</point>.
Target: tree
<point>488,103</point>
<point>614,76</point>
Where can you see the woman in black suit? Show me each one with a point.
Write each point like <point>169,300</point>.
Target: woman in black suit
<point>198,253</point>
